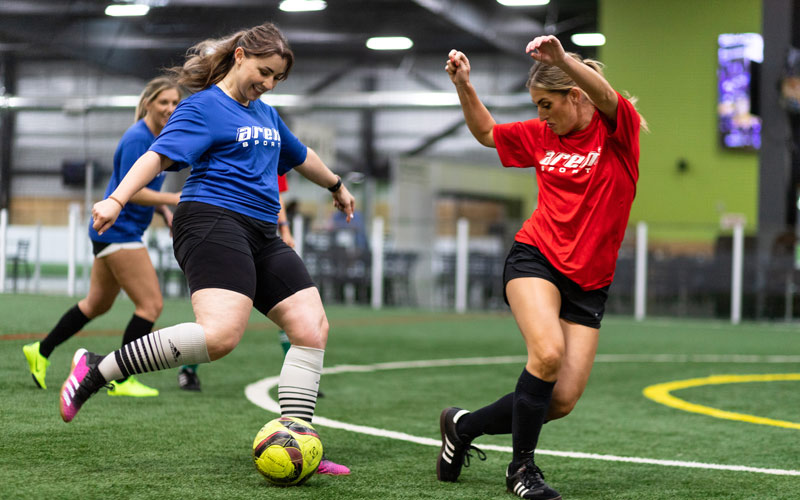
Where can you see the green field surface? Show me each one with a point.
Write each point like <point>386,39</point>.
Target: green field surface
<point>184,445</point>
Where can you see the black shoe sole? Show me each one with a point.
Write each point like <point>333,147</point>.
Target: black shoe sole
<point>554,498</point>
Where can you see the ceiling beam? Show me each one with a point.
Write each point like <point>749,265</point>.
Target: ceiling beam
<point>342,101</point>
<point>493,28</point>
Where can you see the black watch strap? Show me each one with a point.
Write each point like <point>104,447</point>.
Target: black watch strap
<point>336,186</point>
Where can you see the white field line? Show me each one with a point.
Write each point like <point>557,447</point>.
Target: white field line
<point>258,394</point>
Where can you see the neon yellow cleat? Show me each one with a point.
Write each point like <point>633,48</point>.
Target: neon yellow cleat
<point>132,388</point>
<point>37,363</point>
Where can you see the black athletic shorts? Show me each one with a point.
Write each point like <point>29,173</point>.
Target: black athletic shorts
<point>98,246</point>
<point>220,248</point>
<point>577,305</point>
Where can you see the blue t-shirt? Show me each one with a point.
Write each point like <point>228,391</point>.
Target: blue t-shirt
<point>236,152</point>
<point>133,219</point>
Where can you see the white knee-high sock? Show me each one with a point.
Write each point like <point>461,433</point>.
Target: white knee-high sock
<point>299,382</point>
<point>166,348</point>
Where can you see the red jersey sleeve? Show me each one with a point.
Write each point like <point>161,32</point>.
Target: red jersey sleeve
<point>516,142</point>
<point>628,121</point>
<point>283,186</point>
<point>624,135</point>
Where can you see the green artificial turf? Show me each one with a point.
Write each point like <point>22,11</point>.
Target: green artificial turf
<point>197,445</point>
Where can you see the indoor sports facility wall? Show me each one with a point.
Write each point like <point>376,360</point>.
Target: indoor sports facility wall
<point>667,56</point>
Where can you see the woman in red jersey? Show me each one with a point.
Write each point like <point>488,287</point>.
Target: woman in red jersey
<point>585,148</point>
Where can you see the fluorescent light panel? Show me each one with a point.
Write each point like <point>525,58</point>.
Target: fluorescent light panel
<point>127,9</point>
<point>588,39</point>
<point>302,5</point>
<point>389,43</point>
<point>523,3</point>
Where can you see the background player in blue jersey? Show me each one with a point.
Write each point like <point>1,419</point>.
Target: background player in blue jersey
<point>121,258</point>
<point>225,231</point>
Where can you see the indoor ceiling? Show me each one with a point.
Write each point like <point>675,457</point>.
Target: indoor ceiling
<point>79,29</point>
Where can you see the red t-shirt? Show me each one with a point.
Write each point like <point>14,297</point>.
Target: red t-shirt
<point>587,181</point>
<point>283,186</point>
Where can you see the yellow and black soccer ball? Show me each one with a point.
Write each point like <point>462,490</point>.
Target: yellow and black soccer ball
<point>287,451</point>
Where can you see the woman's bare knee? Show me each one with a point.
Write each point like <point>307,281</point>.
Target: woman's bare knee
<point>221,339</point>
<point>219,346</point>
<point>151,309</point>
<point>545,363</point>
<point>312,333</point>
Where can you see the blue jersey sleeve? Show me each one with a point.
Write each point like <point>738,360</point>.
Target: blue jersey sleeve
<point>185,137</point>
<point>293,152</point>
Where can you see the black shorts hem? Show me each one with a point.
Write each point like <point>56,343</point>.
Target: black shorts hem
<point>581,321</point>
<point>221,286</point>
<point>584,307</point>
<point>278,298</point>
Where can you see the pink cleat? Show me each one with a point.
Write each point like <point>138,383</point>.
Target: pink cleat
<point>332,468</point>
<point>84,380</point>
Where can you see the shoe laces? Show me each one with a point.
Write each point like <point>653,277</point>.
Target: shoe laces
<point>467,455</point>
<point>532,477</point>
<point>91,383</point>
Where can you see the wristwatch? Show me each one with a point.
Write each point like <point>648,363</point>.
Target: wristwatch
<point>336,186</point>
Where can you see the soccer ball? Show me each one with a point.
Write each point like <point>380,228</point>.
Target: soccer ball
<point>287,451</point>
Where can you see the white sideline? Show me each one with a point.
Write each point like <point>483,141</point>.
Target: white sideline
<point>258,394</point>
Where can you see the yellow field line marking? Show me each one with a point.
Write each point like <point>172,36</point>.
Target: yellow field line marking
<point>660,393</point>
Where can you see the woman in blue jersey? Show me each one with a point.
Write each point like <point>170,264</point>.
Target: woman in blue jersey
<point>225,232</point>
<point>121,259</point>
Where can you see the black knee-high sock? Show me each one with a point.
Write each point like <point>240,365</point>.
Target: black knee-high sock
<point>491,419</point>
<point>137,328</point>
<point>531,401</point>
<point>70,323</point>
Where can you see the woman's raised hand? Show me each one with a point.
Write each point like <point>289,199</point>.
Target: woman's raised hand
<point>457,67</point>
<point>546,49</point>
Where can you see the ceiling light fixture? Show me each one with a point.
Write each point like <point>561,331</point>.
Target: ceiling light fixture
<point>523,3</point>
<point>127,9</point>
<point>389,43</point>
<point>588,39</point>
<point>302,5</point>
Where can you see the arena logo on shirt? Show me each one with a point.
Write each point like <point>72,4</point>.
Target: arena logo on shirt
<point>566,163</point>
<point>259,135</point>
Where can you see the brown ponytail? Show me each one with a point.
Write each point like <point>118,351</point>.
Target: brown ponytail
<point>210,60</point>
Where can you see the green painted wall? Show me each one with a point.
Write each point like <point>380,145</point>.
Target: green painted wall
<point>664,52</point>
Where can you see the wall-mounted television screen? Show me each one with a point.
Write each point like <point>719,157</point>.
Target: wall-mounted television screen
<point>739,57</point>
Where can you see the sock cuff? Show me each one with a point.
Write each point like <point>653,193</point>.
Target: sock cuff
<point>309,358</point>
<point>534,385</point>
<point>140,321</point>
<point>137,328</point>
<point>78,314</point>
<point>193,343</point>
